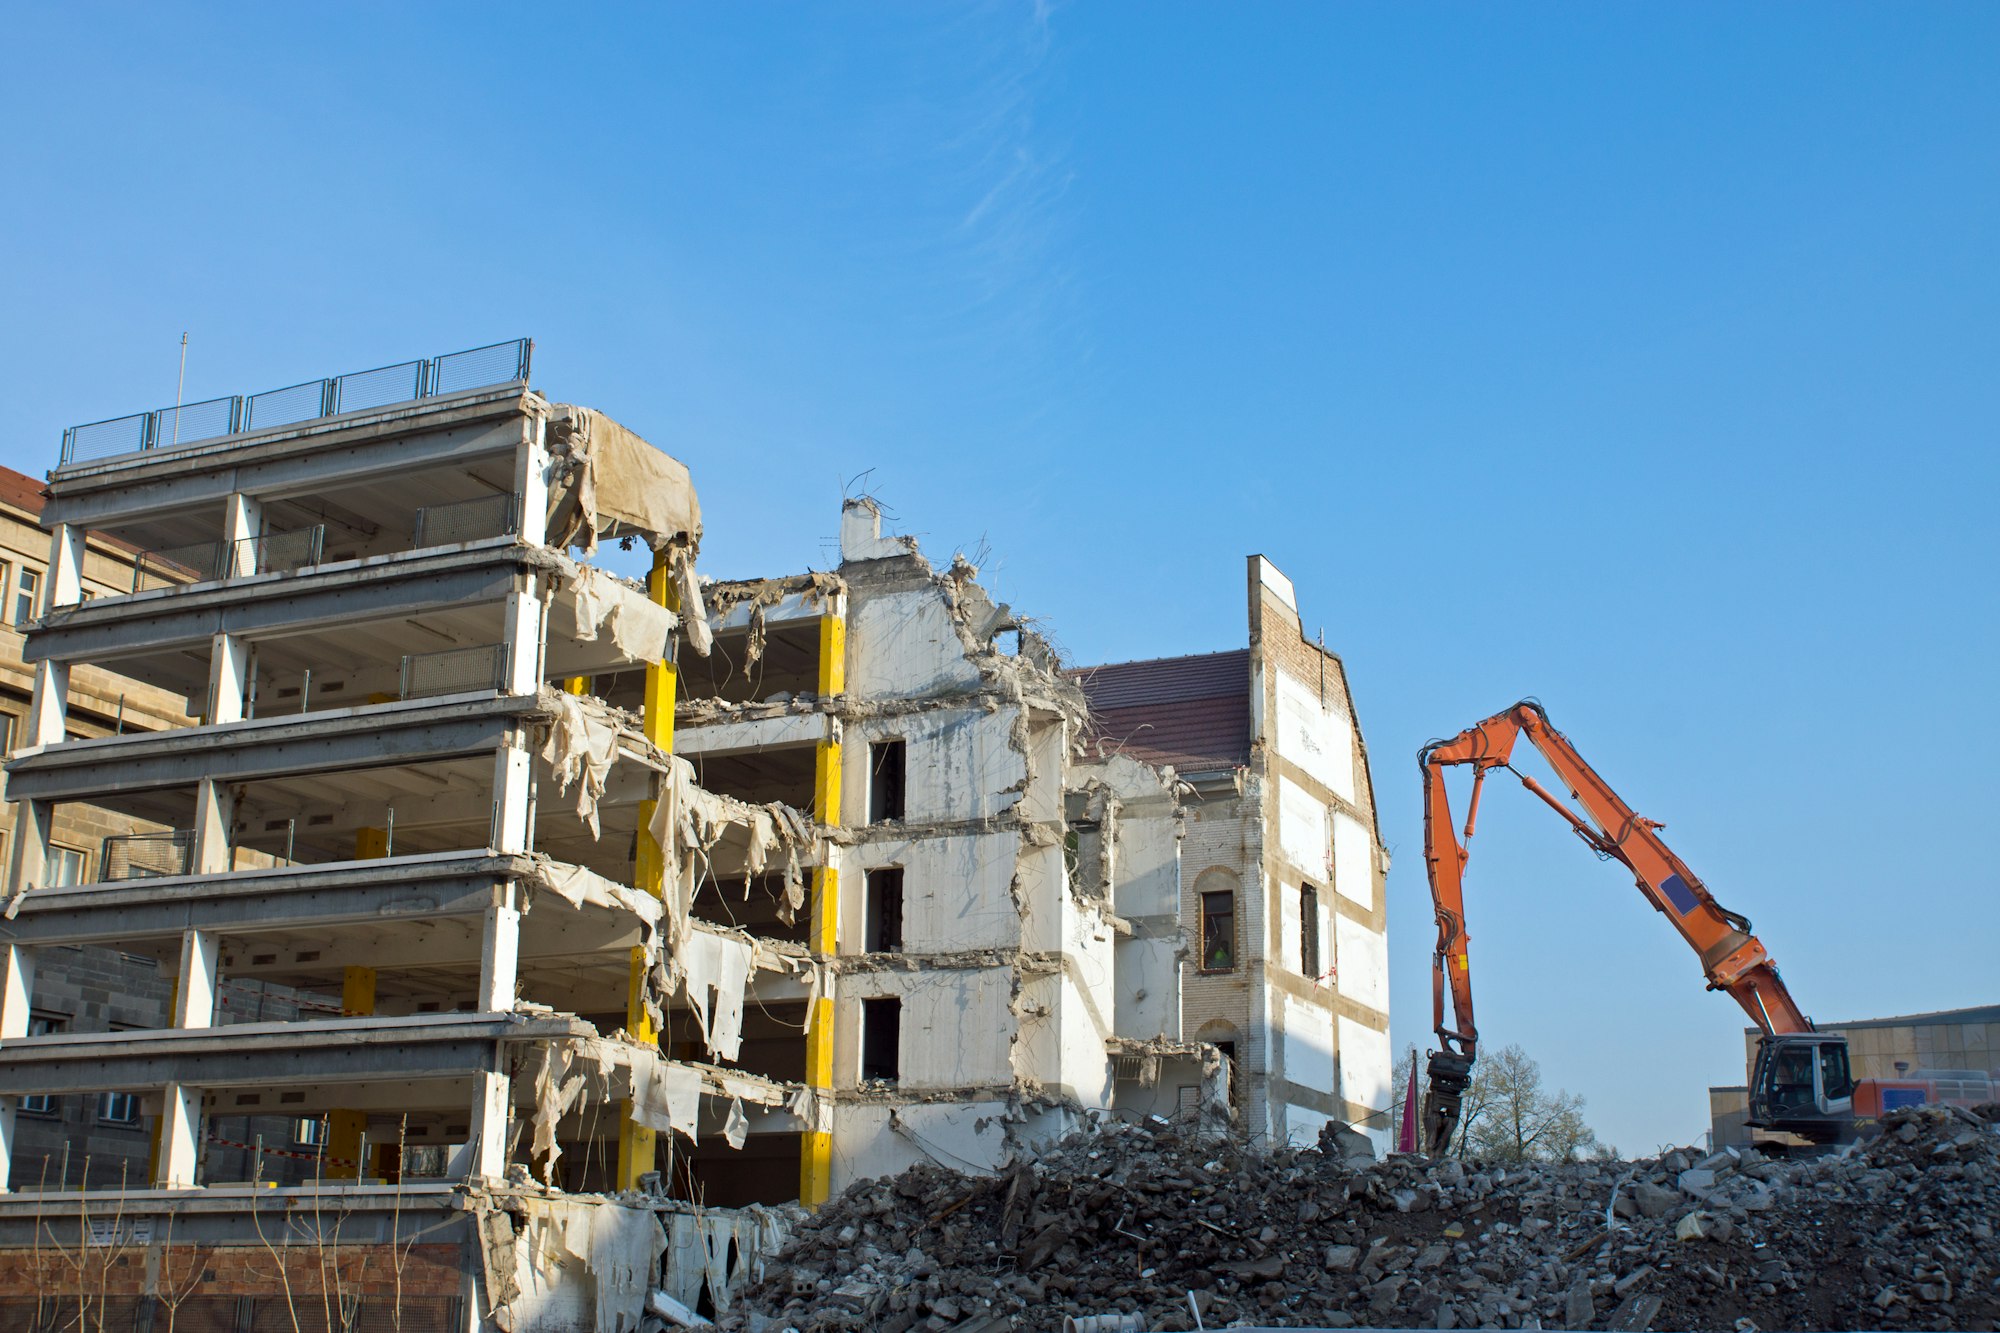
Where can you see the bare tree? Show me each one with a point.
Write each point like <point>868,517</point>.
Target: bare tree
<point>1508,1116</point>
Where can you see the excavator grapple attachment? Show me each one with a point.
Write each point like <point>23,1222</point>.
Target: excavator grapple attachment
<point>1446,1077</point>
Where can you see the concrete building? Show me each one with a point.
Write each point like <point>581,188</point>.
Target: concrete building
<point>1942,1045</point>
<point>84,989</point>
<point>412,785</point>
<point>631,908</point>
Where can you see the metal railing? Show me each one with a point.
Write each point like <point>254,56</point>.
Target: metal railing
<point>454,671</point>
<point>205,562</point>
<point>465,521</point>
<point>452,372</point>
<point>147,855</point>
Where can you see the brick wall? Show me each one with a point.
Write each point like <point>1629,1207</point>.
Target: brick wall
<point>117,1284</point>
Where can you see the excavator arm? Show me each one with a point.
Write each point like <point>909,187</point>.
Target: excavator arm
<point>1731,956</point>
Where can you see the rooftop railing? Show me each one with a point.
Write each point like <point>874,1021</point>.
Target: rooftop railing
<point>454,372</point>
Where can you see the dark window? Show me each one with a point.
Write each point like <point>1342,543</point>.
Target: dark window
<point>885,911</point>
<point>885,781</point>
<point>1833,1076</point>
<point>28,596</point>
<point>1309,930</point>
<point>1228,1049</point>
<point>41,1025</point>
<point>882,1039</point>
<point>117,1108</point>
<point>1218,931</point>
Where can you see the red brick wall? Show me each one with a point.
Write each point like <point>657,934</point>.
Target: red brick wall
<point>207,1286</point>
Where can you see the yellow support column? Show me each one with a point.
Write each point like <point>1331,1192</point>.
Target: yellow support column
<point>357,1000</point>
<point>815,1145</point>
<point>637,1145</point>
<point>345,1128</point>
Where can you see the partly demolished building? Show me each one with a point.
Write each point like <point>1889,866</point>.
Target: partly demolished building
<point>637,908</point>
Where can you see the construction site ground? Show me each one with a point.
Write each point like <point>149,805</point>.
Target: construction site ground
<point>1177,1232</point>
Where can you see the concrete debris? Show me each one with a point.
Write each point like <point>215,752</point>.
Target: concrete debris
<point>1134,1219</point>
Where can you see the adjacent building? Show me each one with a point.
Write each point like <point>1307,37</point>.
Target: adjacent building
<point>1955,1052</point>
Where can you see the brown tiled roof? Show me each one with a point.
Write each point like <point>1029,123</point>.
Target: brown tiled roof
<point>1191,712</point>
<point>21,491</point>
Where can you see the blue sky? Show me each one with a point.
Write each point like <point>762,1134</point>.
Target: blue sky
<point>1639,358</point>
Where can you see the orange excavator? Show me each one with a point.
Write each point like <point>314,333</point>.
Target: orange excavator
<point>1802,1082</point>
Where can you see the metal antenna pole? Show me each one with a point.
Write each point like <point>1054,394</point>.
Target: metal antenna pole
<point>180,387</point>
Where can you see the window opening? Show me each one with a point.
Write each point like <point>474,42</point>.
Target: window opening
<point>884,911</point>
<point>117,1108</point>
<point>881,1039</point>
<point>1228,1049</point>
<point>27,593</point>
<point>885,781</point>
<point>42,1025</point>
<point>66,867</point>
<point>1218,931</point>
<point>1309,930</point>
<point>1834,1080</point>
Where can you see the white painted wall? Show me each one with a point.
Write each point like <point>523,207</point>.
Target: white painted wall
<point>1362,957</point>
<point>965,1136</point>
<point>1319,740</point>
<point>904,643</point>
<point>1302,1125</point>
<point>1353,860</point>
<point>959,764</point>
<point>957,892</point>
<point>1148,1000</point>
<point>955,1026</point>
<point>1365,1074</point>
<point>1302,833</point>
<point>1308,1045</point>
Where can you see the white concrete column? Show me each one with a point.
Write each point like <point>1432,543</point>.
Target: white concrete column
<point>486,1155</point>
<point>522,633</point>
<point>513,775</point>
<point>48,711</point>
<point>214,812</point>
<point>17,990</point>
<point>500,951</point>
<point>242,519</point>
<point>531,484</point>
<point>228,677</point>
<point>194,996</point>
<point>180,1137</point>
<point>34,821</point>
<point>66,548</point>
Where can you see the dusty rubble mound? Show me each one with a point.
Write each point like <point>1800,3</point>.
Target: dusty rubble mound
<point>1896,1233</point>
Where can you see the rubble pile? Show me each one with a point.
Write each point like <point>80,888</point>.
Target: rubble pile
<point>1145,1222</point>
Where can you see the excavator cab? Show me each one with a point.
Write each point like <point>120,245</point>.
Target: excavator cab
<point>1802,1084</point>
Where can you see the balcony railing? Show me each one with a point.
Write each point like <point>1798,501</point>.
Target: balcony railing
<point>466,521</point>
<point>205,562</point>
<point>454,671</point>
<point>147,855</point>
<point>474,368</point>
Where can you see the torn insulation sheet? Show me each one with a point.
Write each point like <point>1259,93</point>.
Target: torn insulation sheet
<point>581,745</point>
<point>694,616</point>
<point>609,482</point>
<point>640,628</point>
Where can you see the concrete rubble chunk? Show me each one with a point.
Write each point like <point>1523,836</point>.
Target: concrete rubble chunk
<point>1515,1246</point>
